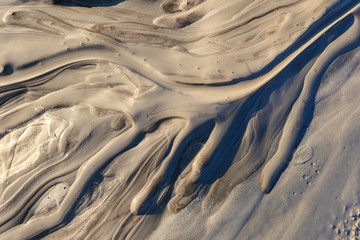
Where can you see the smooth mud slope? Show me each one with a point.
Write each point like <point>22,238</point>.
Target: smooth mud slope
<point>112,112</point>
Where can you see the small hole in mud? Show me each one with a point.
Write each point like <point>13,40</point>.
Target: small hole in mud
<point>7,69</point>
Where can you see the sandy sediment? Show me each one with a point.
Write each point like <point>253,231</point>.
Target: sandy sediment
<point>111,114</point>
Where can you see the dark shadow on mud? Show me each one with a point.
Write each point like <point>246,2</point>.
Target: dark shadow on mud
<point>88,3</point>
<point>79,3</point>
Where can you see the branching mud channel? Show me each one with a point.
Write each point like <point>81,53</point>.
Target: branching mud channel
<point>112,112</point>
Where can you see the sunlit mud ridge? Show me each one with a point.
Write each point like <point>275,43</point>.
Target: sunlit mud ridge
<point>109,114</point>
